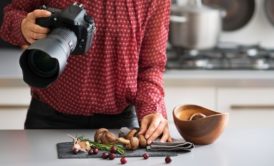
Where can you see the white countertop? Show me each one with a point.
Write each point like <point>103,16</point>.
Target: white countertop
<point>11,74</point>
<point>236,147</point>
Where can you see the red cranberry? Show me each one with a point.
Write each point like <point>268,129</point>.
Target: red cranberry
<point>113,149</point>
<point>123,160</point>
<point>111,156</point>
<point>105,155</point>
<point>146,156</point>
<point>95,151</point>
<point>91,151</point>
<point>168,159</point>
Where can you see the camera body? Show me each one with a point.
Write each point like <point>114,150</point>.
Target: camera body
<point>74,18</point>
<point>71,33</point>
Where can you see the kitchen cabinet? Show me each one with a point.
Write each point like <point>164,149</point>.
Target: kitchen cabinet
<point>248,107</point>
<point>14,102</point>
<point>177,95</point>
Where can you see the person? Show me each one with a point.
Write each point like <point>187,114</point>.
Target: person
<point>118,82</point>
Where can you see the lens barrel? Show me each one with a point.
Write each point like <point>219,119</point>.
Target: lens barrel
<point>46,58</point>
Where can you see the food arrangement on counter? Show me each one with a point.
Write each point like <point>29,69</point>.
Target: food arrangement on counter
<point>189,120</point>
<point>106,141</point>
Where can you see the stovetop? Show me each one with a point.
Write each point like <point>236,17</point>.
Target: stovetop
<point>226,56</point>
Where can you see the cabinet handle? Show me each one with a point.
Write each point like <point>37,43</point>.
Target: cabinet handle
<point>13,106</point>
<point>245,107</point>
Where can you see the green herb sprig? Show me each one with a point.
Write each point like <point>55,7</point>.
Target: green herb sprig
<point>103,147</point>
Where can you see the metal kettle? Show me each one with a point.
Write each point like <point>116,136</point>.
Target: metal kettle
<point>195,26</point>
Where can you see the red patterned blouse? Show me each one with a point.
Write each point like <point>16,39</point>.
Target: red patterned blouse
<point>124,66</point>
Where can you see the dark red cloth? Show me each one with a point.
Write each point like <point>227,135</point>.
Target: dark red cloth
<point>124,66</point>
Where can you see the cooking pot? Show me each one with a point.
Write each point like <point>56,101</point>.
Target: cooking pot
<point>195,26</point>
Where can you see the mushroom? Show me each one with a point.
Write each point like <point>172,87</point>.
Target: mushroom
<point>131,144</point>
<point>134,142</point>
<point>109,138</point>
<point>104,136</point>
<point>142,141</point>
<point>131,134</point>
<point>99,133</point>
<point>197,116</point>
<point>123,141</point>
<point>130,141</point>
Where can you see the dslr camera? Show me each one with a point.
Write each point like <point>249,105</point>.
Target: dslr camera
<point>71,33</point>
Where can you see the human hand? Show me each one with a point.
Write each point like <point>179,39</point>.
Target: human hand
<point>153,125</point>
<point>30,30</point>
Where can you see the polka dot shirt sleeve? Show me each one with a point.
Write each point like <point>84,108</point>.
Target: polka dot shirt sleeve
<point>150,92</point>
<point>14,13</point>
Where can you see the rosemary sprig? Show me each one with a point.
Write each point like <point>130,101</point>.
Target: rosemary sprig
<point>103,147</point>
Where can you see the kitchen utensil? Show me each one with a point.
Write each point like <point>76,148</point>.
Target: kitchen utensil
<point>200,131</point>
<point>195,26</point>
<point>269,9</point>
<point>238,12</point>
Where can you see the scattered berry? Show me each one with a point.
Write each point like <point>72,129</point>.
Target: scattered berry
<point>105,155</point>
<point>123,160</point>
<point>168,159</point>
<point>95,151</point>
<point>111,156</point>
<point>113,149</point>
<point>146,156</point>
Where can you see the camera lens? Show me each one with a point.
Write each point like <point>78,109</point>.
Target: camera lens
<point>46,59</point>
<point>42,64</point>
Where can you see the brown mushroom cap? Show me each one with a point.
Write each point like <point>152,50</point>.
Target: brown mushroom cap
<point>131,134</point>
<point>99,133</point>
<point>110,138</point>
<point>134,142</point>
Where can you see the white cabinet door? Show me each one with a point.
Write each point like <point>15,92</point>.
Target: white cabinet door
<point>176,95</point>
<point>247,107</point>
<point>14,102</point>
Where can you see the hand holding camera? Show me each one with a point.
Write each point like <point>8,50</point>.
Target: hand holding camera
<point>70,32</point>
<point>30,30</point>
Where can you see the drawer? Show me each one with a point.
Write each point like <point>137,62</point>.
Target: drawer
<point>14,102</point>
<point>247,107</point>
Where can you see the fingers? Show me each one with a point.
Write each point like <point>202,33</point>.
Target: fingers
<point>144,125</point>
<point>38,13</point>
<point>166,136</point>
<point>31,37</point>
<point>38,29</point>
<point>159,130</point>
<point>30,30</point>
<point>169,139</point>
<point>24,46</point>
<point>153,126</point>
<point>36,36</point>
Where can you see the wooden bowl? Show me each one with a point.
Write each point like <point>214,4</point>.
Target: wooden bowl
<point>202,130</point>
